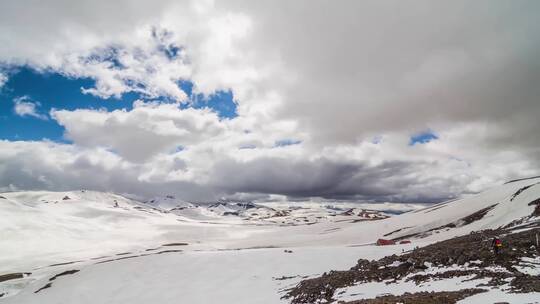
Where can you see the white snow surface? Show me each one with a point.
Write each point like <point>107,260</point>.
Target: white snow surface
<point>236,276</point>
<point>233,258</point>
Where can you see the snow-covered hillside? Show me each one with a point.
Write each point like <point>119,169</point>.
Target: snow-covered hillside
<point>511,205</point>
<point>49,227</point>
<point>252,213</point>
<point>91,247</point>
<point>40,228</point>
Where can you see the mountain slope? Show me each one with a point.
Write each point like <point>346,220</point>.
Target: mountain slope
<point>97,241</point>
<point>509,205</point>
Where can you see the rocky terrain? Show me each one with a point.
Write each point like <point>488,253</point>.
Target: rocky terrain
<point>469,257</point>
<point>441,297</point>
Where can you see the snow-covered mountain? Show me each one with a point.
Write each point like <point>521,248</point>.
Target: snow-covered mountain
<point>40,227</point>
<point>92,247</point>
<point>168,202</point>
<point>512,205</point>
<point>45,227</point>
<point>249,212</point>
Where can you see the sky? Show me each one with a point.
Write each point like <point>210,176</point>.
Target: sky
<point>371,101</point>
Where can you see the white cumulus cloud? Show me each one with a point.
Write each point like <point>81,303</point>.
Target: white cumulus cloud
<point>3,79</point>
<point>24,106</point>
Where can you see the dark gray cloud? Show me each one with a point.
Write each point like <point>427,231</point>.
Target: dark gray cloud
<point>331,179</point>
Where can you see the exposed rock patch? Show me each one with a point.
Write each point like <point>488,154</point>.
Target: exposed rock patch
<point>444,297</point>
<point>67,272</point>
<point>49,284</point>
<point>175,244</point>
<point>476,216</point>
<point>536,203</point>
<point>472,253</point>
<point>13,276</point>
<point>65,263</point>
<point>521,191</point>
<point>525,283</point>
<point>396,231</point>
<point>168,251</point>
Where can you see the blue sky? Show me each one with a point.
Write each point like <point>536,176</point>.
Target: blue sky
<point>55,91</point>
<point>51,90</point>
<point>287,142</point>
<point>221,102</point>
<point>423,138</point>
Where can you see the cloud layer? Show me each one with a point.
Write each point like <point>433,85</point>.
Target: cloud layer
<point>347,83</point>
<point>24,106</point>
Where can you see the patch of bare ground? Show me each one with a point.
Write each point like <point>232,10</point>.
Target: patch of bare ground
<point>13,276</point>
<point>436,208</point>
<point>175,244</point>
<point>152,249</point>
<point>49,284</point>
<point>472,253</point>
<point>65,263</point>
<point>67,272</point>
<point>139,255</point>
<point>168,251</point>
<point>100,257</point>
<point>478,215</point>
<point>526,221</point>
<point>396,231</point>
<point>536,203</point>
<point>524,283</point>
<point>289,277</point>
<point>521,179</point>
<point>122,258</point>
<point>496,277</point>
<point>443,297</point>
<point>521,191</point>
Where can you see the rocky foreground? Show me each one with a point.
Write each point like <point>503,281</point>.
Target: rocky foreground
<point>468,257</point>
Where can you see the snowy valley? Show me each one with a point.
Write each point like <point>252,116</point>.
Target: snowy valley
<point>92,247</point>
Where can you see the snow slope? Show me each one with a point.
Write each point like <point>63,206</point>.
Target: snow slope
<point>170,251</point>
<point>428,224</point>
<point>41,228</point>
<point>238,276</point>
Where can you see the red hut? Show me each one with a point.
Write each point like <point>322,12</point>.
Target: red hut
<point>383,242</point>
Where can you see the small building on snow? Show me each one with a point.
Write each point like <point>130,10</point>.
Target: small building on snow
<point>383,242</point>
